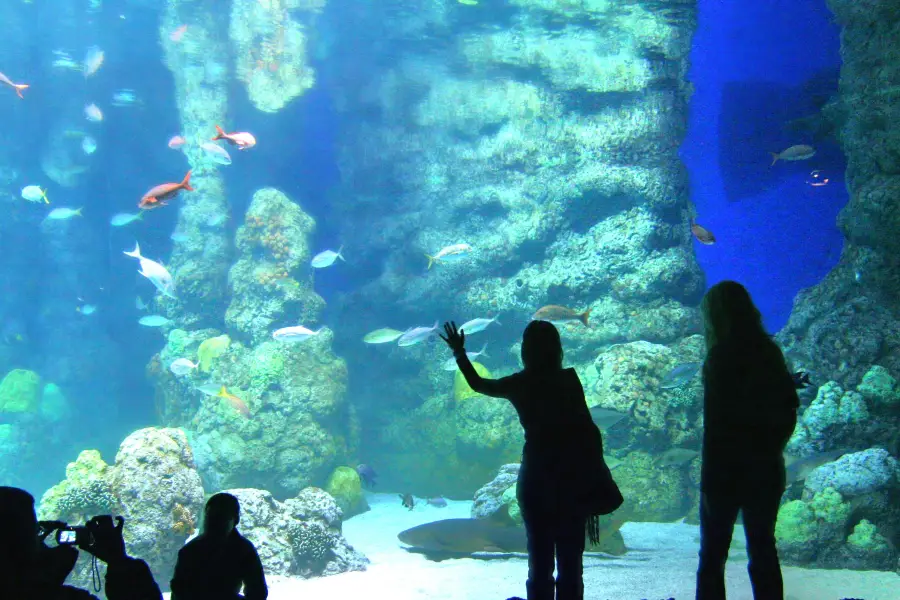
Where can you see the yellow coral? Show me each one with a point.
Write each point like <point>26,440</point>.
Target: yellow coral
<point>212,349</point>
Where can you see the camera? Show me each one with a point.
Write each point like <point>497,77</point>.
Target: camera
<point>73,536</point>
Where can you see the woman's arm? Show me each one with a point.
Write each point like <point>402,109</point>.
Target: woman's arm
<point>495,388</point>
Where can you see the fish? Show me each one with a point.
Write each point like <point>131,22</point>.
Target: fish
<point>178,33</point>
<point>560,314</point>
<point>297,333</point>
<point>176,142</point>
<point>449,538</point>
<point>34,193</point>
<point>680,375</point>
<point>408,501</point>
<point>158,275</point>
<point>241,139</point>
<point>63,214</point>
<point>16,86</point>
<point>326,258</point>
<point>798,468</point>
<point>139,303</point>
<point>88,145</point>
<point>217,153</point>
<point>157,196</point>
<point>476,325</point>
<point>367,475</point>
<point>675,456</point>
<point>605,418</point>
<point>438,502</point>
<point>382,336</point>
<point>93,60</point>
<point>64,61</point>
<point>238,404</point>
<point>798,152</point>
<point>123,219</point>
<point>703,235</point>
<point>450,363</point>
<point>93,113</point>
<point>210,388</point>
<point>182,366</point>
<point>468,2</point>
<point>449,253</point>
<point>124,98</point>
<point>86,309</point>
<point>416,335</point>
<point>153,321</point>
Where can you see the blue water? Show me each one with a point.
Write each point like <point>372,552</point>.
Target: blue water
<point>783,238</point>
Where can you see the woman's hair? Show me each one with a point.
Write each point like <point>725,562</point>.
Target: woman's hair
<point>728,311</point>
<point>541,347</point>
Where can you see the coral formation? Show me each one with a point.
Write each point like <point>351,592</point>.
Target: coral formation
<point>850,320</point>
<point>301,536</point>
<point>200,255</point>
<point>299,426</point>
<point>20,392</point>
<point>548,146</point>
<point>266,282</point>
<point>345,487</point>
<point>270,49</point>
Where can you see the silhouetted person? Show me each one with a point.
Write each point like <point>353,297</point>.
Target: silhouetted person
<point>30,570</point>
<point>749,413</point>
<point>561,444</point>
<point>215,564</point>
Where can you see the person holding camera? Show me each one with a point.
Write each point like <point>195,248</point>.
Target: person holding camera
<point>31,570</point>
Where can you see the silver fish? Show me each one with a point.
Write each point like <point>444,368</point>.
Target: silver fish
<point>297,333</point>
<point>476,325</point>
<point>680,375</point>
<point>326,258</point>
<point>155,272</point>
<point>675,456</point>
<point>605,418</point>
<point>416,335</point>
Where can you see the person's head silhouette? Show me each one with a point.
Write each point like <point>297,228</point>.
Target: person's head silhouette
<point>541,347</point>
<point>19,543</point>
<point>728,311</point>
<point>222,514</point>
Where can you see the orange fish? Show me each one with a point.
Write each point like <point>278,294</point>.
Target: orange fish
<point>703,235</point>
<point>178,33</point>
<point>561,314</point>
<point>157,196</point>
<point>16,86</point>
<point>241,139</point>
<point>238,404</point>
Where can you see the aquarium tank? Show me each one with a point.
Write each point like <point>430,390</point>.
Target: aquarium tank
<point>232,230</point>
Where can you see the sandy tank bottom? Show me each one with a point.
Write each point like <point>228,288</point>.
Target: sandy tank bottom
<point>661,563</point>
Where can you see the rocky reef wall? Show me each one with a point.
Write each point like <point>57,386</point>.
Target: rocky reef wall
<point>851,320</point>
<point>543,134</point>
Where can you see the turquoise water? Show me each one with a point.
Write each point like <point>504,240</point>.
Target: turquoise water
<point>255,312</point>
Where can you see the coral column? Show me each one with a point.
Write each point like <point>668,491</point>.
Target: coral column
<point>198,61</point>
<point>849,322</point>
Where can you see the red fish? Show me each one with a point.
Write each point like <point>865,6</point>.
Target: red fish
<point>241,139</point>
<point>703,235</point>
<point>16,86</point>
<point>157,196</point>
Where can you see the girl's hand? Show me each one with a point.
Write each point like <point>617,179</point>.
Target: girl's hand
<point>455,339</point>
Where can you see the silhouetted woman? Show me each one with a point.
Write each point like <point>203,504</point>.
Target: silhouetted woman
<point>749,413</point>
<point>562,446</point>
